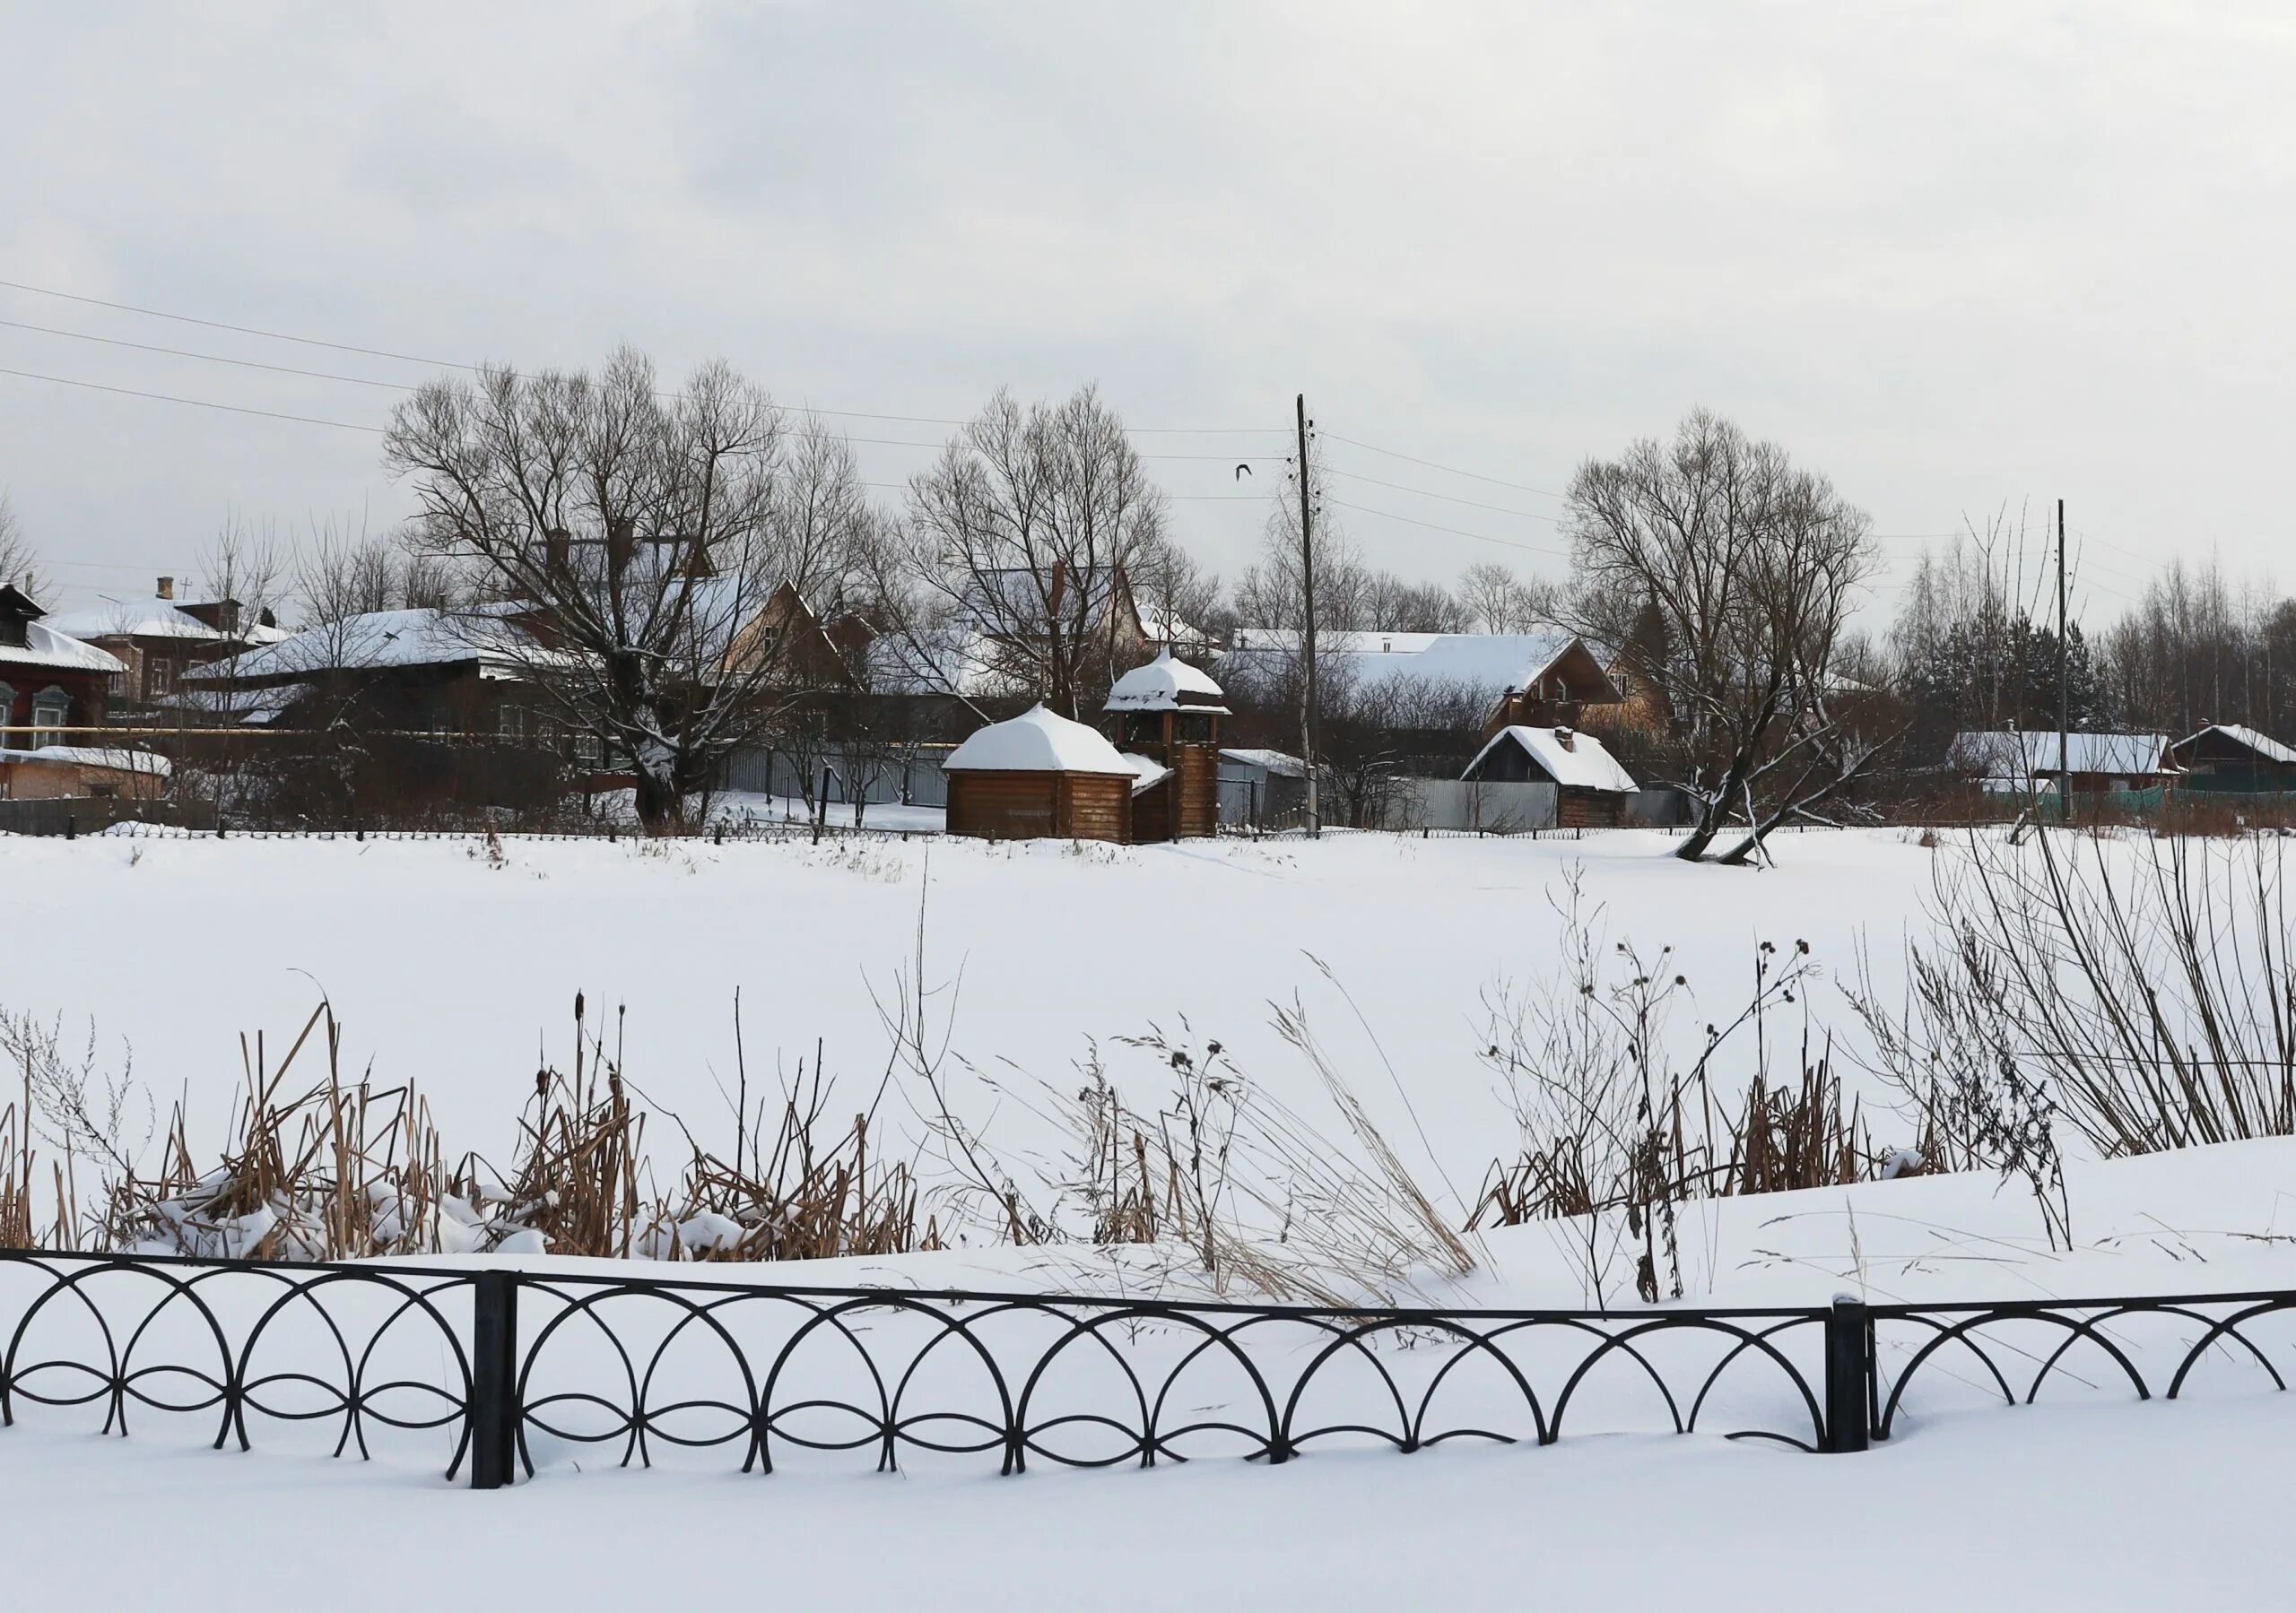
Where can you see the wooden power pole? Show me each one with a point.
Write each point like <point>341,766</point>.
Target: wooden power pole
<point>1308,634</point>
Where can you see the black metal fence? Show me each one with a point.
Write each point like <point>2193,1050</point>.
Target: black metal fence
<point>498,1372</point>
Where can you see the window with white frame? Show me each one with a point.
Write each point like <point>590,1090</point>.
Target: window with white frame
<point>8,714</point>
<point>51,710</point>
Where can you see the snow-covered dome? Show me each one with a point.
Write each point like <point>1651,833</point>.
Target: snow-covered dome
<point>1165,684</point>
<point>1037,741</point>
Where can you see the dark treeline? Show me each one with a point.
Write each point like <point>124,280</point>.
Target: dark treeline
<point>1975,646</point>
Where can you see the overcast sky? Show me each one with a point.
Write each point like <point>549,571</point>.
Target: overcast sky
<point>1956,256</point>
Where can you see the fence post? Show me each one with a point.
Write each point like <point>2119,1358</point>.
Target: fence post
<point>493,1410</point>
<point>1849,1375</point>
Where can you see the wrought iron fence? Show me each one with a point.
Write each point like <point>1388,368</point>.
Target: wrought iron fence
<point>498,1372</point>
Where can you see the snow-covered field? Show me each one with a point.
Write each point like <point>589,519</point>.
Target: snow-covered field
<point>458,971</point>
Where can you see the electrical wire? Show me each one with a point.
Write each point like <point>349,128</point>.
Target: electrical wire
<point>1482,537</point>
<point>308,419</point>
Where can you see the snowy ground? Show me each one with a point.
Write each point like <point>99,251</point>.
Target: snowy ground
<point>455,971</point>
<point>2142,1506</point>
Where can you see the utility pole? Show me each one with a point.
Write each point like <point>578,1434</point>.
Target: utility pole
<point>2063,690</point>
<point>1308,634</point>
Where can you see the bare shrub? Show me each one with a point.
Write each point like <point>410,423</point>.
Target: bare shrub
<point>2147,983</point>
<point>1615,1136</point>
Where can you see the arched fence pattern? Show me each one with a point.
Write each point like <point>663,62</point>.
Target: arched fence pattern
<point>492,1373</point>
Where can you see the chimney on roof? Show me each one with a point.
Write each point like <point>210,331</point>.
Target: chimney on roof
<point>1566,738</point>
<point>167,587</point>
<point>558,549</point>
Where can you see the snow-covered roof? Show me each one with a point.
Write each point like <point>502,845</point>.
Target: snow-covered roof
<point>45,648</point>
<point>137,619</point>
<point>2262,745</point>
<point>1281,764</point>
<point>952,661</point>
<point>1038,741</point>
<point>1580,762</point>
<point>2016,754</point>
<point>376,640</point>
<point>1165,684</point>
<point>1148,772</point>
<point>1023,600</point>
<point>117,758</point>
<point>253,707</point>
<point>1494,664</point>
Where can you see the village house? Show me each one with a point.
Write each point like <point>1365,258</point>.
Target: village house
<point>411,671</point>
<point>1591,789</point>
<point>2231,758</point>
<point>1504,678</point>
<point>157,640</point>
<point>2013,763</point>
<point>50,683</point>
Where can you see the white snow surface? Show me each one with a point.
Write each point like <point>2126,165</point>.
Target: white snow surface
<point>1494,664</point>
<point>138,617</point>
<point>1147,772</point>
<point>1159,685</point>
<point>2164,1506</point>
<point>118,758</point>
<point>1583,763</point>
<point>2009,754</point>
<point>44,647</point>
<point>1038,741</point>
<point>2262,745</point>
<point>379,638</point>
<point>448,968</point>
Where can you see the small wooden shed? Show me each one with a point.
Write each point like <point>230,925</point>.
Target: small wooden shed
<point>2226,756</point>
<point>1167,719</point>
<point>1591,789</point>
<point>1039,777</point>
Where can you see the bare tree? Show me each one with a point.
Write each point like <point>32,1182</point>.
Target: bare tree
<point>644,540</point>
<point>19,562</point>
<point>1014,573</point>
<point>1495,600</point>
<point>1727,573</point>
<point>246,564</point>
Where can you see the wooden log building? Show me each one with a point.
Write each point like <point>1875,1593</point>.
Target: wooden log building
<point>1167,714</point>
<point>1591,789</point>
<point>1039,777</point>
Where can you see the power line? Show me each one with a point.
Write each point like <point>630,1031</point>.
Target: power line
<point>178,353</point>
<point>244,330</point>
<point>1447,497</point>
<point>1482,537</point>
<point>1431,465</point>
<point>376,352</point>
<point>162,397</point>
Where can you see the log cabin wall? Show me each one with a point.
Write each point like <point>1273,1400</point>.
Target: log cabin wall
<point>1195,785</point>
<point>1589,809</point>
<point>1152,814</point>
<point>1036,806</point>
